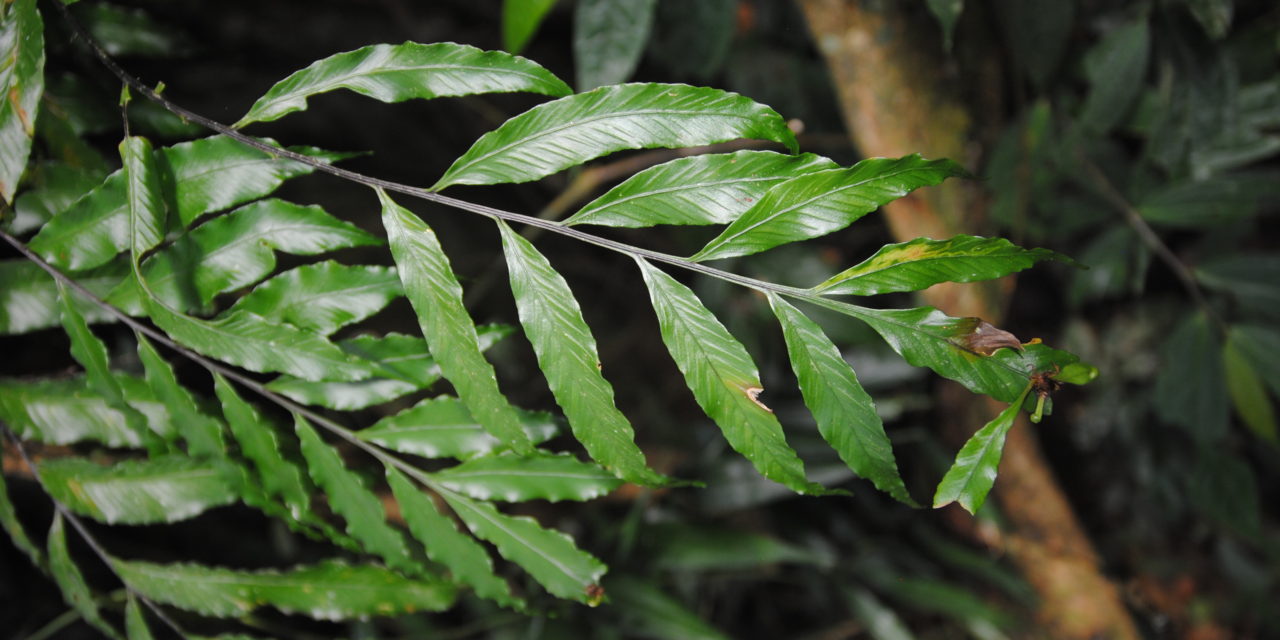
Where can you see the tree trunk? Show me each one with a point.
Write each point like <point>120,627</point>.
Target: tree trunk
<point>895,100</point>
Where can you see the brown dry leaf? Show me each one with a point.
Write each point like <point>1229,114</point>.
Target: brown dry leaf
<point>985,338</point>
<point>754,394</point>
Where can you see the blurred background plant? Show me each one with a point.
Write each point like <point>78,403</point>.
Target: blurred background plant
<point>1140,138</point>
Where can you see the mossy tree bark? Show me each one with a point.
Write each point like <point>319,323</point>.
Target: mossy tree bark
<point>896,99</point>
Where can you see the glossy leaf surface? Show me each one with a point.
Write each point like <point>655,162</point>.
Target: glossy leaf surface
<point>539,477</point>
<point>323,297</point>
<point>235,250</point>
<point>442,427</point>
<point>74,588</point>
<point>165,489</point>
<point>53,186</point>
<point>971,477</point>
<point>922,263</point>
<point>705,189</point>
<point>69,411</point>
<point>260,443</point>
<point>608,39</point>
<point>572,130</point>
<point>845,413</point>
<point>330,590</point>
<point>203,434</point>
<point>29,296</point>
<point>203,175</point>
<point>21,84</point>
<point>466,559</point>
<point>436,297</point>
<point>815,204</point>
<point>395,73</point>
<point>348,496</point>
<point>549,556</point>
<point>724,380</point>
<point>567,356</point>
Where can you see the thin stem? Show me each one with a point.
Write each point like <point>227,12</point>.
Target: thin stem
<point>1149,237</point>
<point>88,537</point>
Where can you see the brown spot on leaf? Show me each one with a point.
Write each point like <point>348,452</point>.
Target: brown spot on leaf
<point>754,394</point>
<point>16,100</point>
<point>595,594</point>
<point>982,337</point>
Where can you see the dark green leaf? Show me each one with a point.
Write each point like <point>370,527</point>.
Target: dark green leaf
<point>202,433</point>
<point>465,557</point>
<point>1038,32</point>
<point>608,39</point>
<point>436,297</point>
<point>260,443</point>
<point>129,32</point>
<point>203,175</point>
<point>21,84</point>
<point>13,527</point>
<point>693,548</point>
<point>236,250</point>
<point>922,263</point>
<point>74,588</point>
<point>567,355</point>
<point>652,612</point>
<point>549,556</point>
<point>69,411</point>
<point>845,414</point>
<point>1261,345</point>
<point>29,296</point>
<point>1252,278</point>
<point>724,380</point>
<point>324,297</point>
<point>1226,491</point>
<point>1191,388</point>
<point>970,479</point>
<point>815,204</point>
<point>1116,68</point>
<point>693,39</point>
<point>395,73</point>
<point>881,621</point>
<point>572,130</point>
<point>1214,16</point>
<point>135,624</point>
<point>513,478</point>
<point>520,20</point>
<point>330,590</point>
<point>54,186</point>
<point>350,498</point>
<point>705,189</point>
<point>946,12</point>
<point>1246,389</point>
<point>164,489</point>
<point>1208,203</point>
<point>443,428</point>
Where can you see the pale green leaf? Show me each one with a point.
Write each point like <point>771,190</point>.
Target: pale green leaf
<point>970,479</point>
<point>1248,394</point>
<point>815,204</point>
<point>21,84</point>
<point>29,296</point>
<point>403,362</point>
<point>724,380</point>
<point>135,623</point>
<point>845,413</point>
<point>13,527</point>
<point>395,73</point>
<point>200,176</point>
<point>1116,68</point>
<point>68,411</point>
<point>74,588</point>
<point>465,558</point>
<point>443,428</point>
<point>549,556</point>
<point>514,478</point>
<point>436,297</point>
<point>1261,345</point>
<point>350,498</point>
<point>922,263</point>
<point>520,20</point>
<point>260,443</point>
<point>235,250</point>
<point>331,590</point>
<point>567,355</point>
<point>1191,387</point>
<point>164,489</point>
<point>572,130</point>
<point>608,39</point>
<point>324,297</point>
<point>203,434</point>
<point>653,612</point>
<point>705,189</point>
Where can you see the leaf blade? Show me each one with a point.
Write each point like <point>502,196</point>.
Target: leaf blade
<point>323,297</point>
<point>815,204</point>
<point>436,297</point>
<point>971,477</point>
<point>21,84</point>
<point>517,479</point>
<point>569,131</point>
<point>260,443</point>
<point>723,379</point>
<point>608,39</point>
<point>71,582</point>
<point>442,427</point>
<point>395,73</point>
<point>164,489</point>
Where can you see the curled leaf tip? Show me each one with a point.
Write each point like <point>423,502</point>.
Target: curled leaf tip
<point>754,394</point>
